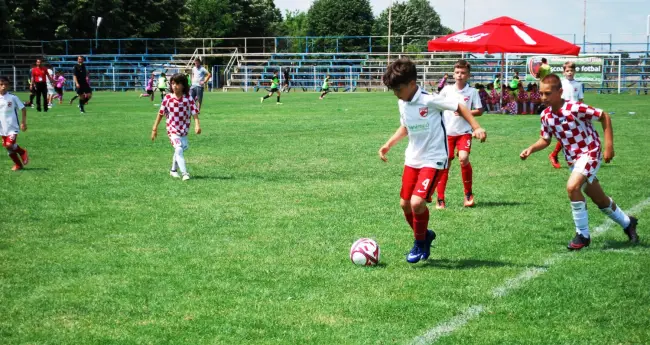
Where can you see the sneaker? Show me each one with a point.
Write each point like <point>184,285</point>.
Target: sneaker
<point>261,99</point>
<point>25,159</point>
<point>174,173</point>
<point>578,242</point>
<point>71,102</point>
<point>186,177</point>
<point>278,103</point>
<point>17,167</point>
<point>469,200</point>
<point>630,231</point>
<point>431,235</point>
<point>415,255</point>
<point>554,161</point>
<point>440,204</point>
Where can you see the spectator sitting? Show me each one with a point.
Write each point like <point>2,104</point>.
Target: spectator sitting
<point>511,107</point>
<point>522,99</point>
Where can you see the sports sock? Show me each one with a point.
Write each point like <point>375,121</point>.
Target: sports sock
<point>558,148</point>
<point>174,163</point>
<point>267,96</point>
<point>616,214</point>
<point>14,157</point>
<point>180,159</point>
<point>81,104</point>
<point>466,174</point>
<point>73,98</point>
<point>278,99</point>
<point>580,217</point>
<point>442,184</point>
<point>409,219</point>
<point>19,150</point>
<point>420,224</point>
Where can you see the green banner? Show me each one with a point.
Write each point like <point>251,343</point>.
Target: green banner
<point>589,69</point>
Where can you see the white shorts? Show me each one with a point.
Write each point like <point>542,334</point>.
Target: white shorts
<point>178,141</point>
<point>587,166</point>
<point>50,90</point>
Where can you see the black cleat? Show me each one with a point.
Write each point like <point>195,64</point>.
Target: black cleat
<point>578,242</point>
<point>630,231</point>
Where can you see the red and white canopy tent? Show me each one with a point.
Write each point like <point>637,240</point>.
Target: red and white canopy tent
<point>503,35</point>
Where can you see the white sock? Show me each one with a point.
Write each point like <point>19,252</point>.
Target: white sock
<point>180,159</point>
<point>617,215</point>
<point>580,217</point>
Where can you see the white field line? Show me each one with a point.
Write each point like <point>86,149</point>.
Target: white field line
<point>455,323</point>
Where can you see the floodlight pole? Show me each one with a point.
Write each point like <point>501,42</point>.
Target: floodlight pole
<point>464,2</point>
<point>99,21</point>
<point>390,22</point>
<point>584,28</point>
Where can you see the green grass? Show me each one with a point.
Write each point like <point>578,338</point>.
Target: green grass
<point>99,245</point>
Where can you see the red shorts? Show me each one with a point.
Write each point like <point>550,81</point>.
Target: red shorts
<point>459,143</point>
<point>421,182</point>
<point>9,140</point>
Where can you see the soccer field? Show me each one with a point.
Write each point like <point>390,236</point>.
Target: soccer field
<point>99,245</point>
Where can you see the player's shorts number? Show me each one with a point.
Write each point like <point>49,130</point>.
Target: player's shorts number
<point>425,184</point>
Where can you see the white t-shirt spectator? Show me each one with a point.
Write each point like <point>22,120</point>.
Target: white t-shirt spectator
<point>198,75</point>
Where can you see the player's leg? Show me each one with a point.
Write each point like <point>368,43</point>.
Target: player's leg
<point>267,96</point>
<point>582,172</point>
<point>9,143</point>
<point>82,100</point>
<point>278,98</point>
<point>444,173</point>
<point>606,205</point>
<point>464,147</point>
<point>427,178</point>
<point>553,156</point>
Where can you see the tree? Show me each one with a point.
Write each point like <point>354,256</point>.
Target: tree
<point>294,25</point>
<point>208,18</point>
<point>340,18</point>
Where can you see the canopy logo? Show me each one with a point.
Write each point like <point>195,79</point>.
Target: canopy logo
<point>465,38</point>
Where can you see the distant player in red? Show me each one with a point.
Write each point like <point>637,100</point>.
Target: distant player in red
<point>426,154</point>
<point>459,131</point>
<point>571,124</point>
<point>39,78</point>
<point>10,126</point>
<point>178,107</point>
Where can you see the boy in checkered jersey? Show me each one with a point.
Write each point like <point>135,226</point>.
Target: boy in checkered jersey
<point>426,154</point>
<point>571,124</point>
<point>571,92</point>
<point>10,126</point>
<point>178,107</point>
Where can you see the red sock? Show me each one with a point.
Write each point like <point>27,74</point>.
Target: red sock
<point>442,184</point>
<point>558,148</point>
<point>466,173</point>
<point>19,150</point>
<point>409,219</point>
<point>14,157</point>
<point>421,224</point>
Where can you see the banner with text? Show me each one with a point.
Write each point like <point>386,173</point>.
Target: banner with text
<point>589,69</point>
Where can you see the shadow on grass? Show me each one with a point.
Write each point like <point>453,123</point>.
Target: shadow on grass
<point>609,245</point>
<point>36,169</point>
<point>501,203</point>
<point>462,264</point>
<point>202,177</point>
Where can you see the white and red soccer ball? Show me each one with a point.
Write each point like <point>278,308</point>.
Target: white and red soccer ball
<point>365,252</point>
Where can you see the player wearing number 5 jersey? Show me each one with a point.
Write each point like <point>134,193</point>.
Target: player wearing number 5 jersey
<point>426,154</point>
<point>459,131</point>
<point>178,107</point>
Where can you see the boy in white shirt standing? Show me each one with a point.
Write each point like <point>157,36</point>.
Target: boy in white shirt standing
<point>10,126</point>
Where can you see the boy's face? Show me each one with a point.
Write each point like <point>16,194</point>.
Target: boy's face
<point>4,87</point>
<point>177,88</point>
<point>405,92</point>
<point>551,95</point>
<point>461,75</point>
<point>569,73</point>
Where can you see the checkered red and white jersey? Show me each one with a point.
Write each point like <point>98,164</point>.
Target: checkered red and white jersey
<point>572,126</point>
<point>178,113</point>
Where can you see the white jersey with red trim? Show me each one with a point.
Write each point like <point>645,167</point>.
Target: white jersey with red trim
<point>572,90</point>
<point>456,124</point>
<point>9,106</point>
<point>178,112</point>
<point>422,117</point>
<point>572,126</point>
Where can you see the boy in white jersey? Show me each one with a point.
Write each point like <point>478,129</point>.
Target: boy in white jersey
<point>459,131</point>
<point>570,123</point>
<point>571,92</point>
<point>178,107</point>
<point>10,126</point>
<point>426,154</point>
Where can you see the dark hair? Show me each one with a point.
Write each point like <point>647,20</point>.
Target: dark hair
<point>462,63</point>
<point>400,72</point>
<point>554,80</point>
<point>544,60</point>
<point>570,65</point>
<point>4,79</point>
<point>180,78</point>
<point>82,58</point>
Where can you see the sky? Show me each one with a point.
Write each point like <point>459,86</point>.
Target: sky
<point>625,20</point>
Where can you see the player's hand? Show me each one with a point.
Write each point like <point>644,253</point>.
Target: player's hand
<point>23,127</point>
<point>525,153</point>
<point>77,84</point>
<point>197,129</point>
<point>609,154</point>
<point>382,153</point>
<point>201,83</point>
<point>480,134</point>
<point>154,133</point>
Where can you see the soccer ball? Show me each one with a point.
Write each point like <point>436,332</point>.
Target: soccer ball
<point>364,252</point>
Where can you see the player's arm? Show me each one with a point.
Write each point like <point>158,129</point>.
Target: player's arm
<point>23,124</point>
<point>207,77</point>
<point>540,144</point>
<point>197,124</point>
<point>606,121</point>
<point>479,133</point>
<point>76,82</point>
<point>400,134</point>
<point>154,130</point>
